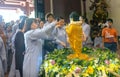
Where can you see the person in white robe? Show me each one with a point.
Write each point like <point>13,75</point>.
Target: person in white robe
<point>2,57</point>
<point>33,53</point>
<point>60,34</point>
<point>18,49</point>
<point>49,45</point>
<point>86,30</point>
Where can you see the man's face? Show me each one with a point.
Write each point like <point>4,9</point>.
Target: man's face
<point>41,24</point>
<point>34,25</point>
<point>50,19</point>
<point>61,22</point>
<point>110,24</point>
<point>81,19</point>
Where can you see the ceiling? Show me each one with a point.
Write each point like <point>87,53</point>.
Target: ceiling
<point>14,3</point>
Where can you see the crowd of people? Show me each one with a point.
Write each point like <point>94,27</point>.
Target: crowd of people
<point>24,43</point>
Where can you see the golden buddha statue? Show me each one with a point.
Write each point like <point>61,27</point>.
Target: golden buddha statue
<point>75,37</point>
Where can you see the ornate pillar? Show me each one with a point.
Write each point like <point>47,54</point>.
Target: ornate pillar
<point>84,7</point>
<point>27,8</point>
<point>39,9</point>
<point>51,6</point>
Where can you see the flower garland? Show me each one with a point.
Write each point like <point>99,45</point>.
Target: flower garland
<point>103,64</point>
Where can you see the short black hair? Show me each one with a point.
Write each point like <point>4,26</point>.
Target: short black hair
<point>75,16</point>
<point>59,18</point>
<point>85,19</point>
<point>110,20</point>
<point>29,22</point>
<point>49,14</point>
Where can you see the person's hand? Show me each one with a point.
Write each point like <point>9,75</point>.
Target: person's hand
<point>67,39</point>
<point>57,24</point>
<point>63,44</point>
<point>84,37</point>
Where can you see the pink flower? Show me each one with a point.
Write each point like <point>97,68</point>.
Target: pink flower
<point>52,62</point>
<point>77,70</point>
<point>107,62</point>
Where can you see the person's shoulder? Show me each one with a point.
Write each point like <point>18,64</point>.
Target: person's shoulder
<point>27,33</point>
<point>113,28</point>
<point>86,25</point>
<point>19,33</point>
<point>104,29</point>
<point>47,23</point>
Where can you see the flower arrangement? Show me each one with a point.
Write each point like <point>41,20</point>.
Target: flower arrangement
<point>103,64</point>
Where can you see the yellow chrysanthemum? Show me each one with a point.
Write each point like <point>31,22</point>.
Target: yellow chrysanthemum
<point>101,68</point>
<point>90,70</point>
<point>85,74</point>
<point>72,68</point>
<point>112,67</point>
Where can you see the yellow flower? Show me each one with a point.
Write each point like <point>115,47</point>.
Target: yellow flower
<point>64,71</point>
<point>72,68</point>
<point>116,68</point>
<point>112,67</point>
<point>90,70</point>
<point>85,74</point>
<point>101,68</point>
<point>56,68</point>
<point>116,60</point>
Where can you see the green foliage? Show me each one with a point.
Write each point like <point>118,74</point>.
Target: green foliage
<point>56,63</point>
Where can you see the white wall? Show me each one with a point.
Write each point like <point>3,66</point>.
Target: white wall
<point>114,12</point>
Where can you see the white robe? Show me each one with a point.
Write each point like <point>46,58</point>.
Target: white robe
<point>13,72</point>
<point>2,57</point>
<point>1,69</point>
<point>86,30</point>
<point>33,54</point>
<point>60,36</point>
